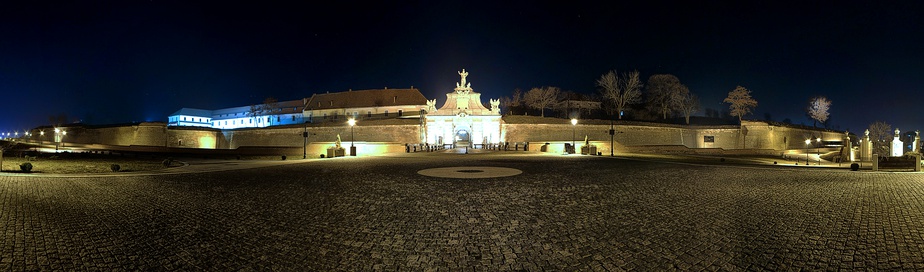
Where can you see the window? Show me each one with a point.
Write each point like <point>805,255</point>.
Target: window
<point>386,113</point>
<point>400,112</point>
<point>369,114</point>
<point>395,99</point>
<point>709,139</point>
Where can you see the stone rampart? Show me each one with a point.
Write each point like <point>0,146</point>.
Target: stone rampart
<point>655,137</point>
<point>391,135</point>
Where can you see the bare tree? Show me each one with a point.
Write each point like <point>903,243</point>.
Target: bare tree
<point>254,112</point>
<point>512,102</point>
<point>620,91</point>
<point>269,106</point>
<point>689,104</point>
<point>818,109</point>
<point>741,102</point>
<point>664,93</point>
<point>880,133</point>
<point>542,98</point>
<point>57,120</point>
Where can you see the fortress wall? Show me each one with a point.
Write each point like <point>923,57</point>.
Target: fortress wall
<point>755,135</point>
<point>194,138</point>
<point>292,136</point>
<point>149,134</point>
<point>390,136</point>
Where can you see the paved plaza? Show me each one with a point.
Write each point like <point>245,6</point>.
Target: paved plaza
<point>567,213</point>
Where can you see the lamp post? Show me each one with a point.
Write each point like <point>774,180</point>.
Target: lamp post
<point>57,139</point>
<point>612,138</point>
<point>63,133</point>
<point>305,144</point>
<point>818,149</point>
<point>807,143</point>
<point>573,126</point>
<point>352,123</point>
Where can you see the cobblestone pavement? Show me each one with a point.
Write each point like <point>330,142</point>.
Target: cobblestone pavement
<point>376,213</point>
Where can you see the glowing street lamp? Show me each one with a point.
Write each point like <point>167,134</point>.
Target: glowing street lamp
<point>807,143</point>
<point>352,123</point>
<point>57,138</point>
<point>818,149</point>
<point>573,126</point>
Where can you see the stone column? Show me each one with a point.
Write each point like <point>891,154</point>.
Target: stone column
<point>848,146</point>
<point>916,144</point>
<point>897,145</point>
<point>866,148</point>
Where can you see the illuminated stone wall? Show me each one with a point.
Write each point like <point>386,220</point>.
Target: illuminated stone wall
<point>188,137</point>
<point>654,138</point>
<point>384,136</point>
<point>292,136</point>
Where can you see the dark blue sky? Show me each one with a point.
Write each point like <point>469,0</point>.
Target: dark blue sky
<point>142,60</point>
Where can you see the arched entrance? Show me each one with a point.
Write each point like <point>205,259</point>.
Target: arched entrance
<point>462,136</point>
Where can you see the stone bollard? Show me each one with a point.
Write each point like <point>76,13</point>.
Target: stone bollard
<point>875,162</point>
<point>917,163</point>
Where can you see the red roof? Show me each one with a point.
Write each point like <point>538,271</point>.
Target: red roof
<point>366,98</point>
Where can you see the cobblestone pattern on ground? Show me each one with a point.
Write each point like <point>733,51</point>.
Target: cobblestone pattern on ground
<point>562,213</point>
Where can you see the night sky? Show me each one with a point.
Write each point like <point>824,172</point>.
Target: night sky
<point>142,60</point>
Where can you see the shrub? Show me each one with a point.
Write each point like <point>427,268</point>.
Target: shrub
<point>115,167</point>
<point>283,157</point>
<point>167,162</point>
<point>854,166</point>
<point>322,156</point>
<point>26,167</point>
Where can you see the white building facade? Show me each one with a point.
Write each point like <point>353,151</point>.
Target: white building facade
<point>463,120</point>
<point>281,113</point>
